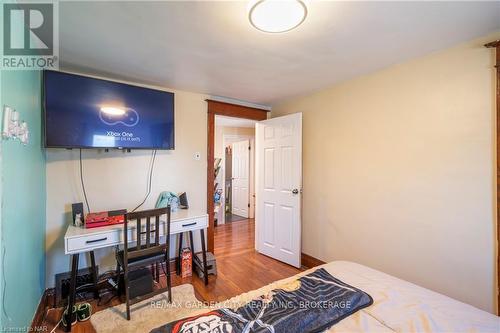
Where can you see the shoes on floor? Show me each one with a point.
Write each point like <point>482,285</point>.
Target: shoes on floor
<point>82,312</point>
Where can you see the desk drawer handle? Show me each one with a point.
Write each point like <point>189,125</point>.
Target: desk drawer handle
<point>96,240</point>
<point>189,224</point>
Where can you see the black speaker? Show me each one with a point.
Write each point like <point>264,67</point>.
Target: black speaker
<point>183,201</point>
<point>77,208</point>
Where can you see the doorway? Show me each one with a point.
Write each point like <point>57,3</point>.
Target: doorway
<point>278,181</point>
<point>218,108</point>
<point>234,182</point>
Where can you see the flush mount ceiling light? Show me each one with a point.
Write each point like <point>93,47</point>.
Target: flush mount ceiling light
<point>277,15</point>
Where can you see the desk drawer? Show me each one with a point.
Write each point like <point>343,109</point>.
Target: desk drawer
<point>84,242</point>
<point>189,224</point>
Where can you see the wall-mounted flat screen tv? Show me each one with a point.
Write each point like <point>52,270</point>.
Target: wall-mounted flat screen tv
<point>84,112</point>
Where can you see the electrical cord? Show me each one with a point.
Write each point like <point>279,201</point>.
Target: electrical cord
<point>102,278</point>
<point>58,323</point>
<point>150,181</point>
<point>83,183</point>
<point>107,301</point>
<point>149,186</point>
<point>163,268</point>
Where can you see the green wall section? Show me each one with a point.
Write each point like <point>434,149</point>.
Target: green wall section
<point>23,203</point>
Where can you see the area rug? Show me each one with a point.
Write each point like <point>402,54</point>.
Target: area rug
<point>149,314</point>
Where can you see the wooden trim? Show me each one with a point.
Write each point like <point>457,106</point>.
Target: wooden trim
<point>496,44</point>
<point>229,110</point>
<point>39,316</point>
<point>310,262</point>
<point>210,180</point>
<point>234,110</point>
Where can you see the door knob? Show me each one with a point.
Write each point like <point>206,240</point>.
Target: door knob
<point>295,191</point>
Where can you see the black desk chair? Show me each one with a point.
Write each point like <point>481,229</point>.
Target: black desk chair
<point>147,251</point>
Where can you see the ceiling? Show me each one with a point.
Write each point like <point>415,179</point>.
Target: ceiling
<point>223,121</point>
<point>210,47</point>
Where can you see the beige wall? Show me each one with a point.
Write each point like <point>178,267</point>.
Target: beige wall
<point>399,170</point>
<point>117,179</point>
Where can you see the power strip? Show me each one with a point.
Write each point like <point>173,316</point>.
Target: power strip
<point>63,281</point>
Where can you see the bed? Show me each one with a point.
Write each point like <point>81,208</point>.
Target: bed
<point>398,306</point>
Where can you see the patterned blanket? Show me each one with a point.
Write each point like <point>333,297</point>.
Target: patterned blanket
<point>312,303</point>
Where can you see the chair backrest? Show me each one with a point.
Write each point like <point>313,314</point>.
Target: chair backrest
<point>145,246</point>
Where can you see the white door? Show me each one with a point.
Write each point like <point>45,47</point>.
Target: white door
<point>241,178</point>
<point>278,188</point>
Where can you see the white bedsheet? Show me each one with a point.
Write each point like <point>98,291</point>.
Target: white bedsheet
<point>398,306</point>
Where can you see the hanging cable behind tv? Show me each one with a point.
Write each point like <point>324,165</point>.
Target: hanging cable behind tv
<point>150,180</point>
<point>149,185</point>
<point>83,183</point>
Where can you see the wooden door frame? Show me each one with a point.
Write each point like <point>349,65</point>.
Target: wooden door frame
<point>496,45</point>
<point>228,110</point>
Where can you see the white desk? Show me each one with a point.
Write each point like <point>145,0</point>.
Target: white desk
<point>80,240</point>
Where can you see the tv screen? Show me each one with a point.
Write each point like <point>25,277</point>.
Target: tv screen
<point>84,112</point>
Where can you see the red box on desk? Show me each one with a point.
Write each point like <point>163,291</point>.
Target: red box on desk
<point>102,219</point>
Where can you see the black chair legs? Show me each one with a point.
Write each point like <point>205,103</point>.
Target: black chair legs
<point>127,293</point>
<point>179,261</point>
<point>118,291</point>
<point>169,280</point>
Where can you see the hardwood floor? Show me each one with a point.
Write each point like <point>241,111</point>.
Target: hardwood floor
<point>239,269</point>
